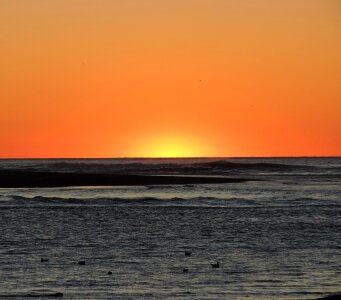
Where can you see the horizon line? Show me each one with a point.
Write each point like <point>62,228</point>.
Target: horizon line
<point>180,157</point>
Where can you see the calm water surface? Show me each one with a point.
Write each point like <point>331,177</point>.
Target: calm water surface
<point>279,238</point>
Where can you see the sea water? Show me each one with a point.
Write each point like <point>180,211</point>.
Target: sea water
<point>277,236</point>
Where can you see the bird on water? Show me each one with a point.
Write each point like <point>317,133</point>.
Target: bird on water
<point>185,270</point>
<point>216,265</point>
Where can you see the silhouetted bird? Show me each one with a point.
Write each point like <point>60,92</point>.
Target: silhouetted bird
<point>82,262</point>
<point>109,273</point>
<point>187,253</point>
<point>185,270</point>
<point>216,265</point>
<point>44,259</point>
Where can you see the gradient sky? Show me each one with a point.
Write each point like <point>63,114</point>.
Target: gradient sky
<point>113,78</point>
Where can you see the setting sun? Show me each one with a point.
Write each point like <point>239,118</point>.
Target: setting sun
<point>85,78</point>
<point>171,146</point>
<point>134,133</point>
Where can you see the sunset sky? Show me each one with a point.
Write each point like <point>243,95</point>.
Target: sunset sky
<point>144,78</point>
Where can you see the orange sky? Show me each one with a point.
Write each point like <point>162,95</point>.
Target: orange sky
<point>113,78</point>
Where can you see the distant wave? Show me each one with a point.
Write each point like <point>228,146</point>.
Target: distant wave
<point>16,200</point>
<point>259,166</point>
<point>208,167</point>
<point>210,164</point>
<point>42,200</point>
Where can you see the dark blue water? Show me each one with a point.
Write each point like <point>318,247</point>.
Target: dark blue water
<point>278,238</point>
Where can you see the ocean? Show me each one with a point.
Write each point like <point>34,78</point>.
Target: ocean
<point>276,236</point>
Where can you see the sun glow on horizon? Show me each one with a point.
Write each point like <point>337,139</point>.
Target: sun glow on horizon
<point>150,78</point>
<point>171,147</point>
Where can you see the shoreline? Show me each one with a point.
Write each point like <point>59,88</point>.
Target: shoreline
<point>29,179</point>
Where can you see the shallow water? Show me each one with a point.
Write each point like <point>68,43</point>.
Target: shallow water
<point>275,239</point>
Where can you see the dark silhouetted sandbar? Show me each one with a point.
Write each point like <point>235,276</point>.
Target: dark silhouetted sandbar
<point>331,297</point>
<point>17,179</point>
<point>52,295</point>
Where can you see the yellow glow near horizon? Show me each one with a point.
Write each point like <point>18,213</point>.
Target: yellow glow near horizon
<point>171,147</point>
<point>113,78</point>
